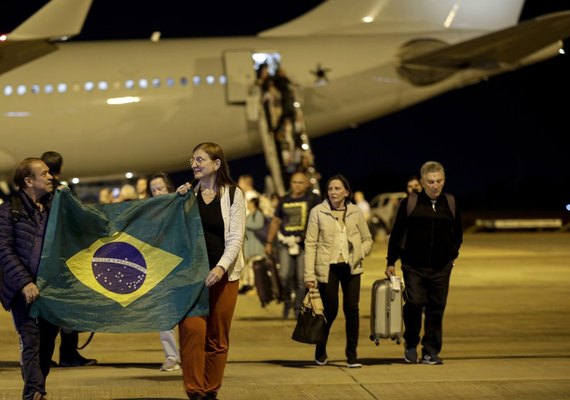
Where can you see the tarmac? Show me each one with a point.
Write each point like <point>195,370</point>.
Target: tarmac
<point>506,336</point>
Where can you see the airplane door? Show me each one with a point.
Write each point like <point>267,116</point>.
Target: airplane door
<point>240,75</point>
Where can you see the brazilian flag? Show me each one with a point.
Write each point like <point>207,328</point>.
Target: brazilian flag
<point>128,267</point>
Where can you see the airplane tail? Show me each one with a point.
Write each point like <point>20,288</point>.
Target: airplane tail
<point>393,16</point>
<point>57,20</point>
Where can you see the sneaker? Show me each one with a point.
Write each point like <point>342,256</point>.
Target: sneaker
<point>411,355</point>
<point>353,364</point>
<point>431,359</point>
<point>170,365</point>
<point>320,355</point>
<point>322,361</point>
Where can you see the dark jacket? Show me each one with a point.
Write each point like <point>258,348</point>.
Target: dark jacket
<point>21,240</point>
<point>425,238</point>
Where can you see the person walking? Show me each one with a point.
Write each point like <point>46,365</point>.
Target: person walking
<point>204,340</point>
<point>336,242</point>
<point>158,184</point>
<point>426,238</point>
<point>69,355</point>
<point>23,223</point>
<point>288,225</point>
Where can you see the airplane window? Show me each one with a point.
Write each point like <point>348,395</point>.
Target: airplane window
<point>89,86</point>
<point>21,89</point>
<point>35,89</point>
<point>156,82</point>
<point>223,79</point>
<point>143,83</point>
<point>170,82</point>
<point>183,81</point>
<point>129,84</point>
<point>210,79</point>
<point>102,85</point>
<point>8,90</point>
<point>62,87</point>
<point>196,80</point>
<point>48,88</point>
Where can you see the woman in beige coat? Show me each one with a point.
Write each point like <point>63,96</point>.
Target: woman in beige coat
<point>336,242</point>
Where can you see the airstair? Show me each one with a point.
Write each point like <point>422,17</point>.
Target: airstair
<point>288,150</point>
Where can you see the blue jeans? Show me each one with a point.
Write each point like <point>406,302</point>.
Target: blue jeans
<point>291,270</point>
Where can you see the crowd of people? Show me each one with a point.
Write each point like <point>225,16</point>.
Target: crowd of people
<point>316,242</point>
<point>284,119</point>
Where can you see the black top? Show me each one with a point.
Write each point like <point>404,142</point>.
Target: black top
<point>429,237</point>
<point>213,226</point>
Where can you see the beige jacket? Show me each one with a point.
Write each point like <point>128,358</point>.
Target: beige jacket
<point>321,236</point>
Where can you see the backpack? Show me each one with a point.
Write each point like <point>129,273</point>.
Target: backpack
<point>413,200</point>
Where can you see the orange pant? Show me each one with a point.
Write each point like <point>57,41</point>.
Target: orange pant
<point>204,341</point>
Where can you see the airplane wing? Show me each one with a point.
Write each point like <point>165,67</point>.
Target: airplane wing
<point>505,47</point>
<point>57,20</point>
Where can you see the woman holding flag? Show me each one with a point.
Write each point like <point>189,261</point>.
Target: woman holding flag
<point>204,340</point>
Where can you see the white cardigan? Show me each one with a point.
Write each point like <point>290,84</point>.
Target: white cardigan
<point>234,232</point>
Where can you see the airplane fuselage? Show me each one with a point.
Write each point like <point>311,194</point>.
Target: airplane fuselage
<point>109,100</point>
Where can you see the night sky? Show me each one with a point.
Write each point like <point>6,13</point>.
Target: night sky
<point>503,142</point>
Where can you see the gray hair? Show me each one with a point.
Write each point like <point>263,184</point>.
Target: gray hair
<point>431,166</point>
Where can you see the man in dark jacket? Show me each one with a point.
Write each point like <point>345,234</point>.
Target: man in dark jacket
<point>427,240</point>
<point>68,354</point>
<point>22,228</point>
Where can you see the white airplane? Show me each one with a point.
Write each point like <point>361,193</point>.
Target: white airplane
<point>141,105</point>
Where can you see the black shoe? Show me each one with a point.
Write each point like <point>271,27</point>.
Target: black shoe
<point>431,359</point>
<point>211,396</point>
<point>411,355</point>
<point>353,363</point>
<point>321,355</point>
<point>52,364</point>
<point>244,289</point>
<point>77,361</point>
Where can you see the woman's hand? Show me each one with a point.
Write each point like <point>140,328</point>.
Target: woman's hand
<point>310,284</point>
<point>215,275</point>
<point>184,188</point>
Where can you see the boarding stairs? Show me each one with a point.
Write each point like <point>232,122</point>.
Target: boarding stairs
<point>288,151</point>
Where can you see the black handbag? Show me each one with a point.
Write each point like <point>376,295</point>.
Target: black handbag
<point>310,327</point>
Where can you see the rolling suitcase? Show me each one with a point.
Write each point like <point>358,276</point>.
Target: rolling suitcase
<point>386,312</point>
<point>266,280</point>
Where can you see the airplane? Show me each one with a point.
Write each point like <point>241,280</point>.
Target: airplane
<point>116,106</point>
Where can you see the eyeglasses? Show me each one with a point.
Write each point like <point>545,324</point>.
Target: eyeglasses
<point>198,160</point>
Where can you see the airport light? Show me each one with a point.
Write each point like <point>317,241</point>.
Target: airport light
<point>129,175</point>
<point>3,38</point>
<point>75,181</point>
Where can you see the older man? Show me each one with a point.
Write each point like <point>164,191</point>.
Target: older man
<point>22,227</point>
<point>426,236</point>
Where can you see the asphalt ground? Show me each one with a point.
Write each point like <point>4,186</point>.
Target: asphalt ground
<point>506,336</point>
